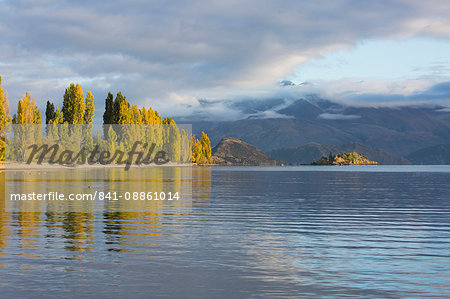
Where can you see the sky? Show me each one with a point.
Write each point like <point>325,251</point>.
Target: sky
<point>185,57</point>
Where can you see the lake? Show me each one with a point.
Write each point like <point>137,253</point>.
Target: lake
<point>376,231</point>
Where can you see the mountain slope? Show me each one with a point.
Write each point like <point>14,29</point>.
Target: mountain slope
<point>434,155</point>
<point>232,151</point>
<point>398,130</point>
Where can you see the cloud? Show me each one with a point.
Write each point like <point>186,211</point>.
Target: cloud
<point>269,114</point>
<point>168,54</point>
<point>435,94</point>
<point>338,116</point>
<point>278,98</point>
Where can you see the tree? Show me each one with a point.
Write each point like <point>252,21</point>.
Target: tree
<point>74,105</point>
<point>88,140</point>
<point>5,119</point>
<point>36,113</point>
<point>168,121</point>
<point>137,116</point>
<point>90,108</point>
<point>59,117</point>
<point>55,133</point>
<point>27,114</point>
<point>197,152</point>
<point>121,110</point>
<point>112,140</point>
<point>173,142</point>
<point>186,146</point>
<point>50,113</point>
<point>206,147</point>
<point>27,111</point>
<point>108,115</point>
<point>201,149</point>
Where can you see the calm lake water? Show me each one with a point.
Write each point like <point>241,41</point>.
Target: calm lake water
<point>370,232</point>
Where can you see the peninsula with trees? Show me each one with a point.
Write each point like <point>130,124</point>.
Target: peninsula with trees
<point>352,158</point>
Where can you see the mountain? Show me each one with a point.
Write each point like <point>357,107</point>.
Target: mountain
<point>232,151</point>
<point>287,83</point>
<point>307,153</point>
<point>433,155</point>
<point>398,130</point>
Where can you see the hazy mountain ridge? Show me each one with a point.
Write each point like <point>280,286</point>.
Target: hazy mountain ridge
<point>434,155</point>
<point>398,130</point>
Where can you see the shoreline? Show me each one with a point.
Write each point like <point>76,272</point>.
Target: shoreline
<point>46,166</point>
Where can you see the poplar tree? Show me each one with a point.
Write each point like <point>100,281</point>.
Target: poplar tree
<point>201,149</point>
<point>108,115</point>
<point>88,140</point>
<point>74,105</point>
<point>27,111</point>
<point>185,146</point>
<point>197,153</point>
<point>172,140</point>
<point>137,116</point>
<point>59,118</point>
<point>90,108</point>
<point>27,114</point>
<point>5,119</point>
<point>36,113</point>
<point>121,110</point>
<point>50,113</point>
<point>112,140</point>
<point>206,147</point>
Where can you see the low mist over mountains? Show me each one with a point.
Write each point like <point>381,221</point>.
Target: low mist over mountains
<point>399,131</point>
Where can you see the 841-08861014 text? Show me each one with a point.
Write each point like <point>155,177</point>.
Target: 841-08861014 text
<point>96,195</point>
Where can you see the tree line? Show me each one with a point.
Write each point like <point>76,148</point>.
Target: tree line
<point>78,109</point>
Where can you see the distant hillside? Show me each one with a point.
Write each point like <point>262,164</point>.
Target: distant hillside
<point>232,151</point>
<point>434,155</point>
<point>307,153</point>
<point>352,158</point>
<point>398,130</point>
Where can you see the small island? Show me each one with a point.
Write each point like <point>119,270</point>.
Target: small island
<point>352,158</point>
